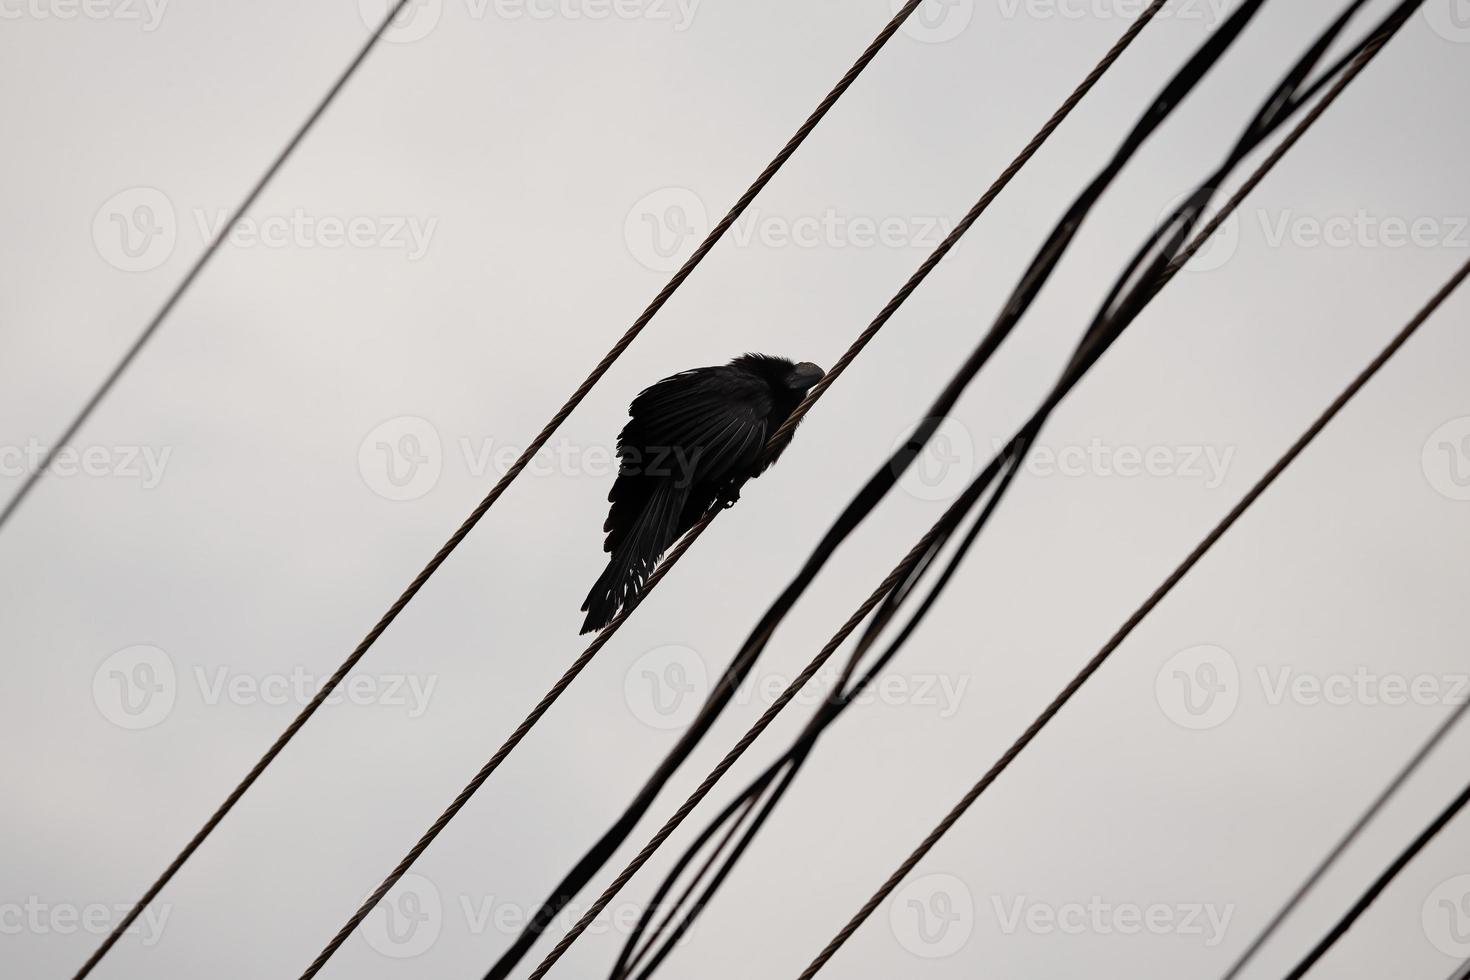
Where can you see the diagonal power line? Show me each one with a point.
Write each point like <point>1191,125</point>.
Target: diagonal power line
<point>1138,616</point>
<point>506,479</point>
<point>1380,883</point>
<point>131,354</point>
<point>1289,96</point>
<point>1348,839</point>
<point>782,436</point>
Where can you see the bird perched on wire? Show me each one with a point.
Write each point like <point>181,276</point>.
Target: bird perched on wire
<point>691,442</point>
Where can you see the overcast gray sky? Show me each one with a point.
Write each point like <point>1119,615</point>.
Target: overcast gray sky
<point>485,209</point>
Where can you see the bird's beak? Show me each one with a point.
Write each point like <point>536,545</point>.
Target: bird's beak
<point>805,374</point>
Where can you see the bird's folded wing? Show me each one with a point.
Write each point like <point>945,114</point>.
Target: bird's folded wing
<point>709,424</point>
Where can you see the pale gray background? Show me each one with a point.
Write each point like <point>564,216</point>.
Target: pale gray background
<point>264,548</point>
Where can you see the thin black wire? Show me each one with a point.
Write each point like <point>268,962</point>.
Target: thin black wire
<point>734,675</point>
<point>1281,104</point>
<point>34,477</point>
<point>747,810</point>
<point>1115,318</point>
<point>717,233</point>
<point>131,354</point>
<point>1348,839</point>
<point>1383,881</point>
<point>1138,616</point>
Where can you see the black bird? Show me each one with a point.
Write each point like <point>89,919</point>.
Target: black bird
<point>690,444</point>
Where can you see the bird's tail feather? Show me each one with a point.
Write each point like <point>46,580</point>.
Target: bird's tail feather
<point>635,557</point>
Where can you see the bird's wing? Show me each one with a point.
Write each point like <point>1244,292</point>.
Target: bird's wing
<point>709,424</point>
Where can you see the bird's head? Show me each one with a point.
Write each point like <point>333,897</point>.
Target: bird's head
<point>803,376</point>
<point>779,372</point>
